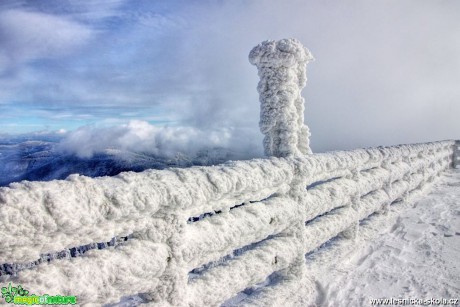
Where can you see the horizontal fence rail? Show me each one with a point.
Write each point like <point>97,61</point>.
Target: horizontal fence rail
<point>199,236</point>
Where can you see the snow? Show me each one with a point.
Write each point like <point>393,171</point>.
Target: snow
<point>282,71</point>
<point>39,217</point>
<point>101,276</point>
<point>202,235</point>
<point>260,206</point>
<point>410,251</point>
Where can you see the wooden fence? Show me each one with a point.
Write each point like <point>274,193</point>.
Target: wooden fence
<point>199,236</point>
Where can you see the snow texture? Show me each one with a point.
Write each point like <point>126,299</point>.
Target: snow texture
<point>409,252</point>
<point>240,203</point>
<point>282,70</point>
<point>101,276</point>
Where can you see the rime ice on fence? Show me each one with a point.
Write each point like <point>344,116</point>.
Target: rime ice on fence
<point>260,217</point>
<point>282,71</point>
<point>456,156</point>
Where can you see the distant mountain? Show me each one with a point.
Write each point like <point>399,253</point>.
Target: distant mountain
<point>33,160</point>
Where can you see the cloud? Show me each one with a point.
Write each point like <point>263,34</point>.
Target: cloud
<point>26,36</point>
<point>374,82</point>
<point>142,137</point>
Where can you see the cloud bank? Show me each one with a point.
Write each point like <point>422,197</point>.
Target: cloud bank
<point>165,142</point>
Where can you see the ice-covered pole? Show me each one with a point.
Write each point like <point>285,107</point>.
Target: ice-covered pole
<point>282,70</point>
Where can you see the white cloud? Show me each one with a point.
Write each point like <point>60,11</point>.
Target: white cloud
<point>140,136</point>
<point>27,35</point>
<point>374,82</point>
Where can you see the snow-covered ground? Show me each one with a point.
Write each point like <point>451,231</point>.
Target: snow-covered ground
<point>412,252</point>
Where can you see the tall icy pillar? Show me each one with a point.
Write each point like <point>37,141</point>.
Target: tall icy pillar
<point>282,71</point>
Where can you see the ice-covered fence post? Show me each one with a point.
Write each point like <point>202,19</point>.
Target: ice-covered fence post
<point>168,228</point>
<point>282,70</point>
<point>456,156</point>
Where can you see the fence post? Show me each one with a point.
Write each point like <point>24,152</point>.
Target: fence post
<point>351,233</point>
<point>282,70</point>
<point>281,67</point>
<point>173,287</point>
<point>456,156</point>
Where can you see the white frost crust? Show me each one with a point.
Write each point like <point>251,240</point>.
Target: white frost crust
<point>217,236</point>
<point>282,71</point>
<point>100,276</point>
<point>332,258</point>
<point>371,196</point>
<point>221,282</point>
<point>328,226</point>
<point>39,217</point>
<point>293,291</point>
<point>426,165</point>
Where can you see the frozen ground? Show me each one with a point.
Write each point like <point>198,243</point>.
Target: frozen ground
<point>415,254</point>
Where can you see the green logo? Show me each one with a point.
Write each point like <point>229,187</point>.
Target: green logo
<point>9,293</point>
<point>20,296</point>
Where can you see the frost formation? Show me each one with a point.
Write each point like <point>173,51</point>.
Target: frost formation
<point>282,71</point>
<point>202,235</point>
<point>260,206</point>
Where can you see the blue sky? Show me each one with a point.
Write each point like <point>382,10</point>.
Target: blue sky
<point>386,72</point>
<point>70,63</point>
